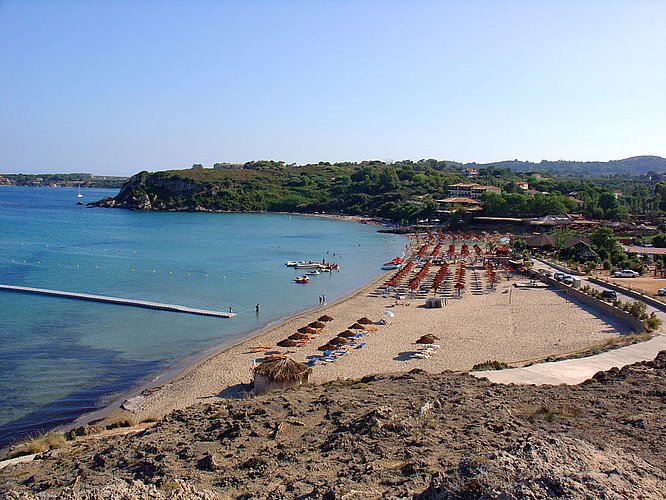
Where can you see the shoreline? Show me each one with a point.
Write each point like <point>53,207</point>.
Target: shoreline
<point>226,372</point>
<point>188,364</point>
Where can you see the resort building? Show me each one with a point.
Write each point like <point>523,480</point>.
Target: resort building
<point>447,204</point>
<point>472,191</point>
<point>471,172</point>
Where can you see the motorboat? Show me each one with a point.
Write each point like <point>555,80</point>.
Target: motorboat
<point>302,279</point>
<point>390,267</point>
<point>308,265</point>
<point>314,272</point>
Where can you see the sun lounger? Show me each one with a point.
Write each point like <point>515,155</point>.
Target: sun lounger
<point>361,345</point>
<point>371,328</point>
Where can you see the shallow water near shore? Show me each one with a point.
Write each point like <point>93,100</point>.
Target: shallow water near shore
<point>62,358</point>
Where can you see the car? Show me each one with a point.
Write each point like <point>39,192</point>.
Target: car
<point>609,294</point>
<point>661,291</point>
<point>568,280</point>
<point>625,273</point>
<point>558,276</point>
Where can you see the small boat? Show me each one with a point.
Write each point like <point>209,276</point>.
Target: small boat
<point>314,272</point>
<point>390,267</point>
<point>79,195</point>
<point>308,265</point>
<point>291,263</point>
<point>397,260</point>
<point>302,279</point>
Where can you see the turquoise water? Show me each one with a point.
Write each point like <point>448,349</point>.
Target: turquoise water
<point>61,358</point>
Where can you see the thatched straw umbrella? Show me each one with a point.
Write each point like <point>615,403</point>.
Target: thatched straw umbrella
<point>299,336</point>
<point>327,347</point>
<point>346,333</point>
<point>287,343</point>
<point>356,326</point>
<point>427,339</point>
<point>307,329</point>
<point>365,321</point>
<point>318,325</point>
<point>325,318</point>
<point>279,374</point>
<point>338,341</point>
<point>303,329</point>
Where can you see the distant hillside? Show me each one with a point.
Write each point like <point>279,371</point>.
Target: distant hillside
<point>637,165</point>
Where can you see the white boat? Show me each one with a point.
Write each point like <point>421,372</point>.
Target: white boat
<point>79,195</point>
<point>314,272</point>
<point>308,265</point>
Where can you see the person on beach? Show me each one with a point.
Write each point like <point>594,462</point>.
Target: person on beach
<point>323,299</point>
<point>230,310</point>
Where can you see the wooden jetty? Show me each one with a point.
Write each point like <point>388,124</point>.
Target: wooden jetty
<point>116,300</point>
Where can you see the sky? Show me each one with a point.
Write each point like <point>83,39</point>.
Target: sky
<point>118,87</point>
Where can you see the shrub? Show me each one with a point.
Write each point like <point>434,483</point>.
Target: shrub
<point>39,444</point>
<point>490,365</point>
<point>638,309</point>
<point>652,323</point>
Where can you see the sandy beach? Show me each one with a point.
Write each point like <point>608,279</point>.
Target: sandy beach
<point>506,324</point>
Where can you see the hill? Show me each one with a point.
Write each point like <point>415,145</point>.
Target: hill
<point>372,189</point>
<point>637,165</point>
<point>409,435</point>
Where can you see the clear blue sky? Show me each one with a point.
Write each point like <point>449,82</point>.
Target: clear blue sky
<point>114,87</point>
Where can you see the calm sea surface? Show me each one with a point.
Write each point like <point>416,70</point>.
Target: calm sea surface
<point>61,358</point>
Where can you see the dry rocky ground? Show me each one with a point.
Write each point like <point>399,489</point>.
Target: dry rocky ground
<point>410,435</point>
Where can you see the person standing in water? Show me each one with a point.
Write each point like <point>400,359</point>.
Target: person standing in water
<point>256,308</point>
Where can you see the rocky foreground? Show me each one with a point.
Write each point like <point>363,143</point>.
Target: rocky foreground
<point>386,436</point>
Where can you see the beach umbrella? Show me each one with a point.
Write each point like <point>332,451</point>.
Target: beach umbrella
<point>338,341</point>
<point>459,285</point>
<point>356,326</point>
<point>326,318</point>
<point>299,336</point>
<point>318,325</point>
<point>426,339</point>
<point>365,321</point>
<point>279,374</point>
<point>390,314</point>
<point>287,343</point>
<point>327,347</point>
<point>303,329</point>
<point>346,333</point>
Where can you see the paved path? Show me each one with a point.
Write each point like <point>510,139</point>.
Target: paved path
<point>575,371</point>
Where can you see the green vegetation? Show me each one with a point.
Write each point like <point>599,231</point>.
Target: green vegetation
<point>490,365</point>
<point>400,192</point>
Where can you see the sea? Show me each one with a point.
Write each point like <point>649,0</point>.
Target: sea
<point>62,358</point>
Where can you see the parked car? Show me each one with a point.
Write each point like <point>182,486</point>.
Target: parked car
<point>625,273</point>
<point>558,276</point>
<point>568,280</point>
<point>610,294</point>
<point>661,291</point>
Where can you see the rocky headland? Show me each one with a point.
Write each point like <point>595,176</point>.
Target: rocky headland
<point>409,435</point>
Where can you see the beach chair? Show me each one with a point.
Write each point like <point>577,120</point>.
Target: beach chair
<point>360,346</point>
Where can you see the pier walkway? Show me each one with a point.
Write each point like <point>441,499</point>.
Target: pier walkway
<point>116,300</point>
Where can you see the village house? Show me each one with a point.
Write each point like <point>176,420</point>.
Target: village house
<point>472,191</point>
